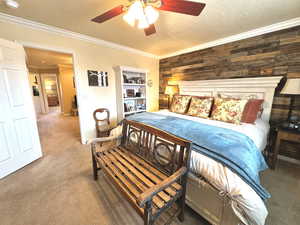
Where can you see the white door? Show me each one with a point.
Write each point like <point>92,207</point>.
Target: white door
<point>19,139</point>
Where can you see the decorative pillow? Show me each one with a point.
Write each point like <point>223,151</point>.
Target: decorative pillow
<point>180,103</point>
<point>252,110</point>
<point>200,106</point>
<point>228,110</point>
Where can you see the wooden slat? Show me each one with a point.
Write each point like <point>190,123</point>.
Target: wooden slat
<point>134,181</point>
<point>149,167</point>
<point>118,184</point>
<point>150,175</point>
<point>147,195</point>
<point>141,176</point>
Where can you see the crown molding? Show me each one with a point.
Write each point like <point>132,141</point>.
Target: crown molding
<point>66,33</point>
<point>252,33</point>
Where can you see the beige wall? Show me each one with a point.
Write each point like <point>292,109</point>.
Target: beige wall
<point>94,57</point>
<point>68,91</point>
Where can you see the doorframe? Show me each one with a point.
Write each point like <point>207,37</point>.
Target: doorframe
<point>75,65</point>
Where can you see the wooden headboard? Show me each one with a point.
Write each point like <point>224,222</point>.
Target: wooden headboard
<point>261,87</point>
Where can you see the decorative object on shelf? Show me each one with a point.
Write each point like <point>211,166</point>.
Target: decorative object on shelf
<point>129,106</point>
<point>143,13</point>
<point>125,79</point>
<point>138,94</point>
<point>170,91</point>
<point>141,107</point>
<point>135,80</point>
<point>130,93</point>
<point>97,79</point>
<point>292,89</point>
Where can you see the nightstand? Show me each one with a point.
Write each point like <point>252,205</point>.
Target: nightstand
<point>284,134</point>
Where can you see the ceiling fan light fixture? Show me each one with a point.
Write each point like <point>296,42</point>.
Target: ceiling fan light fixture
<point>136,10</point>
<point>143,23</point>
<point>129,18</point>
<point>151,14</point>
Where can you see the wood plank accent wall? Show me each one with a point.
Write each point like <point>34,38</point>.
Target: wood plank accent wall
<point>272,54</point>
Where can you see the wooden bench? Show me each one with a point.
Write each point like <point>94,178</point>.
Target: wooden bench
<point>149,168</point>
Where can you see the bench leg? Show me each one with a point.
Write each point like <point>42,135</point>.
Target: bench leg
<point>95,168</point>
<point>148,213</point>
<point>182,206</point>
<point>94,162</point>
<point>182,200</point>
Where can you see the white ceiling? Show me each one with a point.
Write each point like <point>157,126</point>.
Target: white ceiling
<point>220,18</point>
<point>46,59</point>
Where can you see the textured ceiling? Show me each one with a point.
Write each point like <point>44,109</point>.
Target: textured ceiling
<point>220,18</point>
<point>46,59</point>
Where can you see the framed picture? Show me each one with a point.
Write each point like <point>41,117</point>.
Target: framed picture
<point>99,79</point>
<point>35,91</point>
<point>93,78</point>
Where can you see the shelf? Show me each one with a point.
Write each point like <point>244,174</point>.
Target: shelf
<point>127,113</point>
<point>129,84</point>
<point>134,98</point>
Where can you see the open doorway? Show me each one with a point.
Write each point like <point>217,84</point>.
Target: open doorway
<point>51,77</point>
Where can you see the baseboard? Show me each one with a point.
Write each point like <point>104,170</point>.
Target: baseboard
<point>288,159</point>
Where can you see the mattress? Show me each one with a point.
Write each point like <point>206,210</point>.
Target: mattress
<point>246,204</point>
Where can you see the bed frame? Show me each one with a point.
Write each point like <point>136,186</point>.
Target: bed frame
<point>202,196</point>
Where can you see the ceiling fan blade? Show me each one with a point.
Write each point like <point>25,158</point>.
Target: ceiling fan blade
<point>109,14</point>
<point>150,30</point>
<point>182,6</point>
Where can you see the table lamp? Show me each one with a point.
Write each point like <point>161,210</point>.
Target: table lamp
<point>291,88</point>
<point>170,91</point>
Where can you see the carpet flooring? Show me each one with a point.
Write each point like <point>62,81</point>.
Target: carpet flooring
<point>58,189</point>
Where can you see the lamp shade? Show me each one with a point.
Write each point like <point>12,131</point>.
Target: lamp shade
<point>291,87</point>
<point>171,89</point>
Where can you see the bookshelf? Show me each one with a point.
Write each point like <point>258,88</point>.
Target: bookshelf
<point>131,91</point>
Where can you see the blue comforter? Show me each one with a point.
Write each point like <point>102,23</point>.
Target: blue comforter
<point>233,149</point>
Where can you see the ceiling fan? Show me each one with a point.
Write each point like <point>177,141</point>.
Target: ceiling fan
<point>143,13</point>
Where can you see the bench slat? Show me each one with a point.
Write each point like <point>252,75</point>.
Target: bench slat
<point>116,152</point>
<point>157,175</point>
<point>131,178</point>
<point>118,184</point>
<point>146,175</point>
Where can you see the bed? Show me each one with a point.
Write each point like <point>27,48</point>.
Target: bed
<point>215,191</point>
<point>211,189</point>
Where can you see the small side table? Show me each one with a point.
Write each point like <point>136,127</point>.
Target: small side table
<point>284,134</point>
